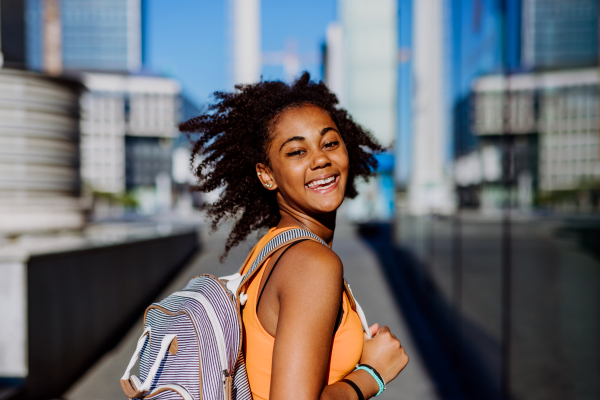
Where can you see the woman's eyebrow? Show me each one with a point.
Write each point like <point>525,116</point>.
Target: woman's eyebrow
<point>325,130</point>
<point>298,138</point>
<point>302,138</point>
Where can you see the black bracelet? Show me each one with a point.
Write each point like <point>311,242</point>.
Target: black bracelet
<point>355,387</point>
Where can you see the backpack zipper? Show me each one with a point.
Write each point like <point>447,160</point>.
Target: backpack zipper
<point>212,316</point>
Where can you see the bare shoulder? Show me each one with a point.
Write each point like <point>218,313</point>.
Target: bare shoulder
<point>310,264</point>
<point>312,257</point>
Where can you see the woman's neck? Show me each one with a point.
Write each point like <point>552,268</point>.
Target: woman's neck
<point>322,226</point>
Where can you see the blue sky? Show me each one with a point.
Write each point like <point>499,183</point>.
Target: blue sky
<point>187,39</point>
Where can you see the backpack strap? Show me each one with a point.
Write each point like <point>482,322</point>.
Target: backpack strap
<point>247,258</point>
<point>283,239</point>
<point>349,294</point>
<point>273,269</point>
<point>130,384</point>
<point>237,283</point>
<point>356,307</point>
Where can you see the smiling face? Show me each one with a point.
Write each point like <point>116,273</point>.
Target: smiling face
<point>308,161</point>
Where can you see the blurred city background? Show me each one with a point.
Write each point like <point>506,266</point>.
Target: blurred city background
<point>478,241</point>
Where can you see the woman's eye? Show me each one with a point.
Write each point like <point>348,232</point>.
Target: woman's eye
<point>331,144</point>
<point>295,153</point>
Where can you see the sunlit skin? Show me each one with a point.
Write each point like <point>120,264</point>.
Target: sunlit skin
<point>300,304</point>
<point>307,146</point>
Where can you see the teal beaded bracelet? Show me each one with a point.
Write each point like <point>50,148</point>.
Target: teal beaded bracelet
<point>371,371</point>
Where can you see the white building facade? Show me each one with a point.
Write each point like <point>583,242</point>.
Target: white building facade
<point>569,127</point>
<point>244,31</point>
<point>430,186</point>
<point>561,107</point>
<point>361,68</point>
<point>370,64</point>
<point>120,106</point>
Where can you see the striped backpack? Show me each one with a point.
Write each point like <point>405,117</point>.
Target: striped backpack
<point>191,347</point>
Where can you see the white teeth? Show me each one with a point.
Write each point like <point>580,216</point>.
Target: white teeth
<point>313,184</point>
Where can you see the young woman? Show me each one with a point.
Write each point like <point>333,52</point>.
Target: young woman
<point>287,156</point>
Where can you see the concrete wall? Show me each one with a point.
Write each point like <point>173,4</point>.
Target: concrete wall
<point>79,303</point>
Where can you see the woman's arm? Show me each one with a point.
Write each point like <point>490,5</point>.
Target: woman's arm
<point>309,284</point>
<point>383,352</point>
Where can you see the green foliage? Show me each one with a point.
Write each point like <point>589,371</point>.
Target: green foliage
<point>587,188</point>
<point>126,199</point>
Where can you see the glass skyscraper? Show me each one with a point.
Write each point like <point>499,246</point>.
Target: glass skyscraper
<point>559,33</point>
<point>97,35</point>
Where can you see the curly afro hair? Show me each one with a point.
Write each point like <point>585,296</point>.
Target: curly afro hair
<point>233,135</point>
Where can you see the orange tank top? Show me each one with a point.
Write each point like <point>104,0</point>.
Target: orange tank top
<point>258,343</point>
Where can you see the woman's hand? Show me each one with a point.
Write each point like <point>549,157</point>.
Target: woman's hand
<point>306,290</point>
<point>384,352</point>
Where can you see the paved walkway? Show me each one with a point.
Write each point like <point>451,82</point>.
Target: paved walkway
<point>361,270</point>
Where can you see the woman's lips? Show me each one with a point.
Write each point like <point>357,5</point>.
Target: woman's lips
<point>325,185</point>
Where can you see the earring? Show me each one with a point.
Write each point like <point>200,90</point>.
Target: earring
<point>259,174</point>
<point>267,185</point>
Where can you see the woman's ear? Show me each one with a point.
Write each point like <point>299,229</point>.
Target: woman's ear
<point>265,176</point>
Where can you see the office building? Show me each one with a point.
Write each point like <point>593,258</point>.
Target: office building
<point>370,67</point>
<point>39,153</point>
<point>93,35</point>
<point>559,33</point>
<point>244,31</point>
<point>333,60</point>
<point>128,120</point>
<point>475,51</point>
<point>560,108</point>
<point>402,149</point>
<point>569,127</point>
<point>430,187</point>
<point>12,34</point>
<point>361,68</point>
<point>127,127</point>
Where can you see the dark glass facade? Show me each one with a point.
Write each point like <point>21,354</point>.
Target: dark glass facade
<point>12,33</point>
<point>145,158</point>
<point>97,35</point>
<point>476,51</point>
<point>559,33</point>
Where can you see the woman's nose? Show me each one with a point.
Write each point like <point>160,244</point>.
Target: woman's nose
<point>320,160</point>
